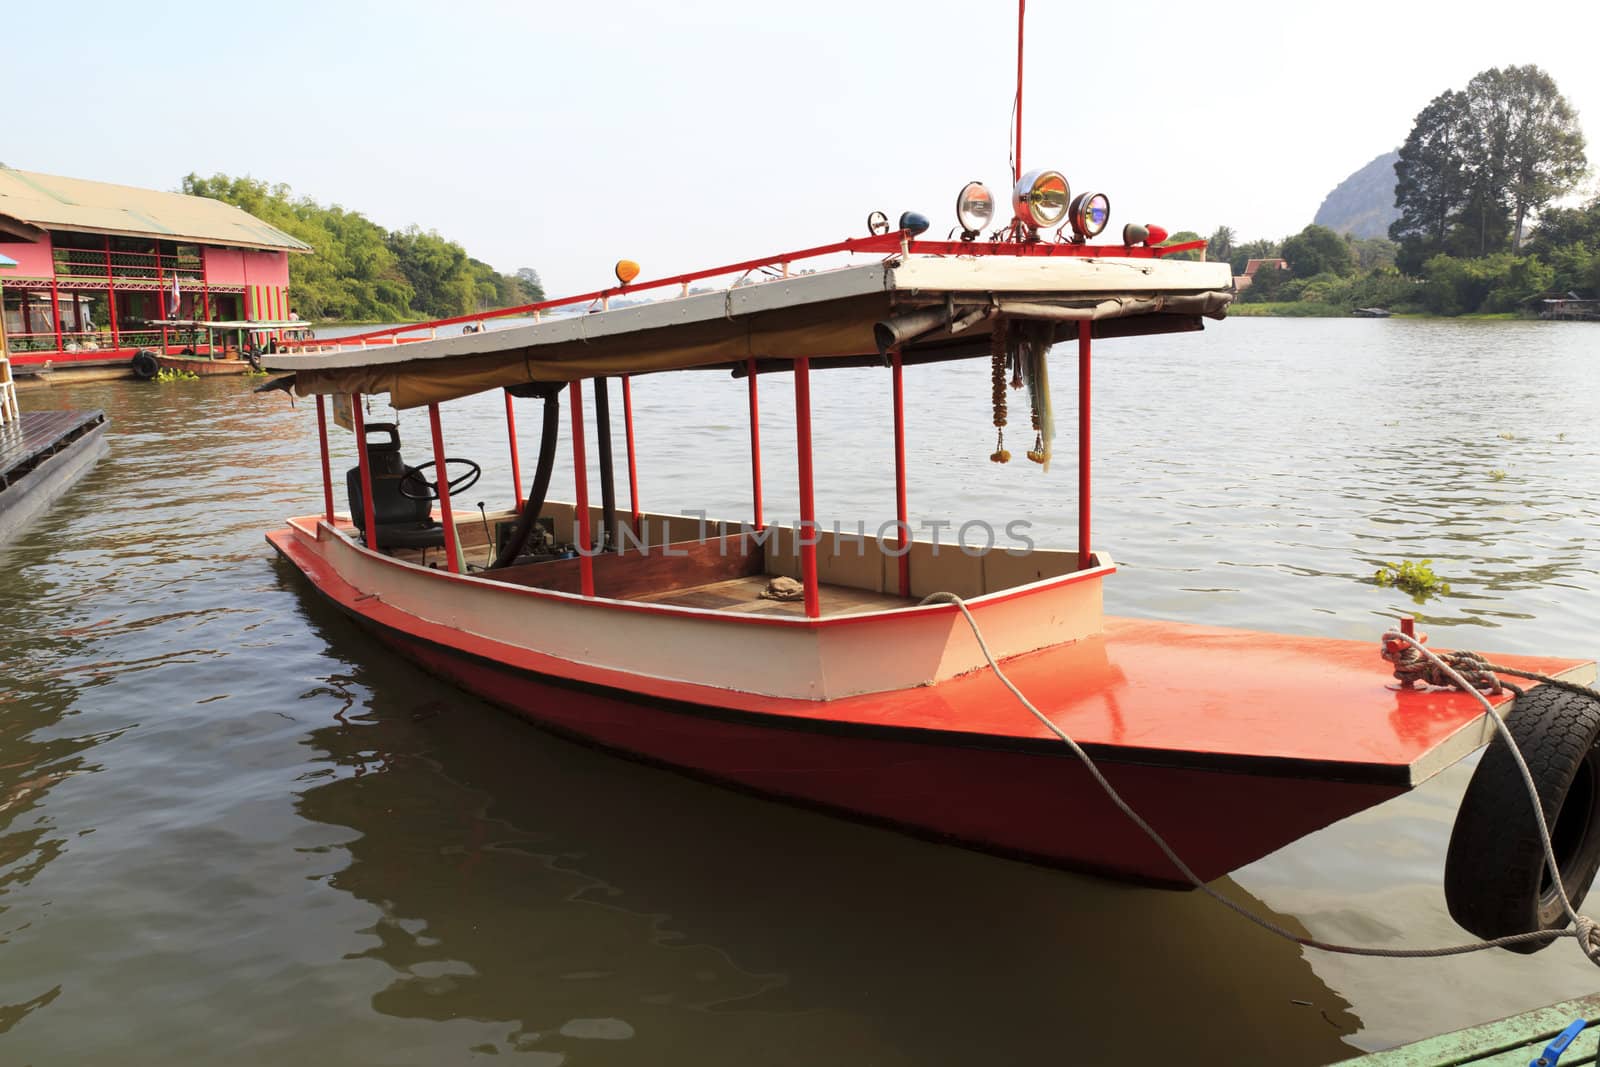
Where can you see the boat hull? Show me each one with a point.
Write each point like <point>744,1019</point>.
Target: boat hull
<point>202,366</point>
<point>1039,806</point>
<point>1027,798</point>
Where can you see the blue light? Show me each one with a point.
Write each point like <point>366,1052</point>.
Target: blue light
<point>913,222</point>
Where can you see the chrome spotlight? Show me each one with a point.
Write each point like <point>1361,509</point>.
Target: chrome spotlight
<point>974,209</point>
<point>1041,198</point>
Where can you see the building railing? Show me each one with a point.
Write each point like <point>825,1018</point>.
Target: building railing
<point>71,341</point>
<point>128,266</point>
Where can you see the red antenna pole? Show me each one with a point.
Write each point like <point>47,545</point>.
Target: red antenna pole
<point>1016,158</point>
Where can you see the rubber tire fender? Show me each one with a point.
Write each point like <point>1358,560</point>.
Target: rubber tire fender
<point>145,365</point>
<point>1496,881</point>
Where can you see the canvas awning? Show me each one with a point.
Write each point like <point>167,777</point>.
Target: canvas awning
<point>943,305</point>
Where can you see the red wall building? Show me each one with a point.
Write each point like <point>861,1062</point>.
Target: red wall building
<point>96,262</point>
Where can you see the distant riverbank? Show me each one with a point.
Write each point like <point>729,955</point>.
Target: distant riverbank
<point>1300,309</point>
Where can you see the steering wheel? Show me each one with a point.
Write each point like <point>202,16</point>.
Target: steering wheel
<point>412,479</point>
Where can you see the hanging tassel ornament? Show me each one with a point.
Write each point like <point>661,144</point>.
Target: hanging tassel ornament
<point>998,376</point>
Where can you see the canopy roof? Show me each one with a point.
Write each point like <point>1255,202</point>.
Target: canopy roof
<point>931,307</point>
<point>32,201</point>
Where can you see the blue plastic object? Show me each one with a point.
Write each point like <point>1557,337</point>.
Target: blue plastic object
<point>1552,1052</point>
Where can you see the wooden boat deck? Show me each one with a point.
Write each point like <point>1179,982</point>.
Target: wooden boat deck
<point>743,596</point>
<point>37,436</point>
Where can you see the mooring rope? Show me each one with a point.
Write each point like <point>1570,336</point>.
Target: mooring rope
<point>1413,664</point>
<point>1583,928</point>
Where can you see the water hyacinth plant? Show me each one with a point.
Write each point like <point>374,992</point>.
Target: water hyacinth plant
<point>1416,578</point>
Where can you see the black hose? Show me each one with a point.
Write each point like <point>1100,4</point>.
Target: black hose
<point>541,475</point>
<point>608,484</point>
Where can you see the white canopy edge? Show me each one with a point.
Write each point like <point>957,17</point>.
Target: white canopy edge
<point>1039,278</point>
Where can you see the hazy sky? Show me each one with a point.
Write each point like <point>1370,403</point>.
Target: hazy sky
<point>564,136</point>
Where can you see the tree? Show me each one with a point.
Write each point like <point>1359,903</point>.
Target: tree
<point>1179,238</point>
<point>437,270</point>
<point>1430,178</point>
<point>1564,226</point>
<point>1543,147</point>
<point>1374,253</point>
<point>532,287</point>
<point>1258,249</point>
<point>359,270</point>
<point>1479,163</point>
<point>1317,250</point>
<point>1268,284</point>
<point>1219,246</point>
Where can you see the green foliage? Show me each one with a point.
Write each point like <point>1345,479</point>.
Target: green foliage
<point>1270,283</point>
<point>1243,254</point>
<point>1183,237</point>
<point>170,374</point>
<point>1294,309</point>
<point>1374,253</point>
<point>1317,250</point>
<point>1492,283</point>
<point>361,271</point>
<point>1416,578</point>
<point>1219,246</point>
<point>532,288</point>
<point>1479,162</point>
<point>1575,270</point>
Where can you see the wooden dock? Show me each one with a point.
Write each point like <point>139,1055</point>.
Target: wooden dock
<point>41,454</point>
<point>1514,1042</point>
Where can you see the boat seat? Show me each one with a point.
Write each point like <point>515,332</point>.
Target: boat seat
<point>403,522</point>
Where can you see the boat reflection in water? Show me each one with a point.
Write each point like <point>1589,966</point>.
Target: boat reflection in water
<point>579,898</point>
<point>35,755</point>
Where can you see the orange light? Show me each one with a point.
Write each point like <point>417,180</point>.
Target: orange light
<point>627,270</point>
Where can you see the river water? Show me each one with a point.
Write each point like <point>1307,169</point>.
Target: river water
<point>235,829</point>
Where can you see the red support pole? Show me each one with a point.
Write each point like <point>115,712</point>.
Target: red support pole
<point>111,299</point>
<point>327,472</point>
<point>580,478</point>
<point>901,512</point>
<point>1085,331</point>
<point>441,481</point>
<point>511,435</point>
<point>808,511</point>
<point>161,306</point>
<point>205,284</point>
<point>367,513</point>
<point>1016,158</point>
<point>755,443</point>
<point>633,470</point>
<point>55,312</point>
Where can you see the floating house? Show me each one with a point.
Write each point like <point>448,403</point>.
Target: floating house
<point>99,266</point>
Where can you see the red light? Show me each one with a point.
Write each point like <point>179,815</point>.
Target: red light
<point>1157,234</point>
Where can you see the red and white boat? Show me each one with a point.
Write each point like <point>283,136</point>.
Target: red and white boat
<point>648,632</point>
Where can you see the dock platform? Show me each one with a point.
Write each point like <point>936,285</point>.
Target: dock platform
<point>41,454</point>
<point>1514,1042</point>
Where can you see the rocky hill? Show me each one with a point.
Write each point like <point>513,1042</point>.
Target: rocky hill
<point>1363,204</point>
